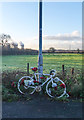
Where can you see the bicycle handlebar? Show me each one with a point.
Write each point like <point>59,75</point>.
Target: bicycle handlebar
<point>54,73</point>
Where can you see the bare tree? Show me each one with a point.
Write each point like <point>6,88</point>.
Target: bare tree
<point>4,38</point>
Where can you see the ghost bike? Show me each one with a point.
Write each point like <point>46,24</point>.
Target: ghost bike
<point>55,87</point>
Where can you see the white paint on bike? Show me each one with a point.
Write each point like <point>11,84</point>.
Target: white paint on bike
<point>49,91</point>
<point>26,82</point>
<point>54,84</point>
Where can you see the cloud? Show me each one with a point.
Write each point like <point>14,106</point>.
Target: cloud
<point>75,35</point>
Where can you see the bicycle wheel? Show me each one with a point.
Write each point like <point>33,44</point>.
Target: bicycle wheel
<point>56,88</point>
<point>26,85</point>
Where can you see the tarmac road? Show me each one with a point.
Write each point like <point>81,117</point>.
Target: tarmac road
<point>41,108</point>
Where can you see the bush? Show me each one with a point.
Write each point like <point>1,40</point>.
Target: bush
<point>11,93</point>
<point>73,84</point>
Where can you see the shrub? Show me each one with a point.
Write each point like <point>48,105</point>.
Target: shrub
<point>9,79</point>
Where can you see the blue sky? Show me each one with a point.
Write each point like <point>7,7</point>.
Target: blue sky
<point>62,24</point>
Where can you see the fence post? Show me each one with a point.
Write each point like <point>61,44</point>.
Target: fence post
<point>63,72</point>
<point>72,71</point>
<point>27,68</point>
<point>63,69</point>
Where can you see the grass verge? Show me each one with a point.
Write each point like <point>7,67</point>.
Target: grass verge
<point>11,93</point>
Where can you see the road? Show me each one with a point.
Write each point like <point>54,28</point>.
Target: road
<point>41,108</point>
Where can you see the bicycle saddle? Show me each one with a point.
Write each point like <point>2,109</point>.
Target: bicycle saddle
<point>53,72</point>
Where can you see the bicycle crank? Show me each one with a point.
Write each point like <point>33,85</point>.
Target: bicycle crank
<point>38,88</point>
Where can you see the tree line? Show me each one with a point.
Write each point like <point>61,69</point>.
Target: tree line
<point>14,50</point>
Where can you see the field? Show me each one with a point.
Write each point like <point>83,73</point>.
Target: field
<point>50,61</point>
<point>12,64</point>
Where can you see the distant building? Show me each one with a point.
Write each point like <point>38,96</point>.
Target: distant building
<point>8,46</point>
<point>13,45</point>
<point>20,45</point>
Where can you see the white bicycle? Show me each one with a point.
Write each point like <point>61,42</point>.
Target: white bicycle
<point>55,87</point>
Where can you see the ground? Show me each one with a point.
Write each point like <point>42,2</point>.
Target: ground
<point>41,107</point>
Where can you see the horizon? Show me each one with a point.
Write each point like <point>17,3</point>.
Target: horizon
<point>61,30</point>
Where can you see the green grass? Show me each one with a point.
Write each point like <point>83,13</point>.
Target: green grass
<point>50,61</point>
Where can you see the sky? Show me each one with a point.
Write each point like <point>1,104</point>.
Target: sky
<point>61,24</point>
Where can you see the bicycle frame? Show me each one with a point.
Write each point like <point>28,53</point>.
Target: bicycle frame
<point>50,78</point>
<point>29,83</point>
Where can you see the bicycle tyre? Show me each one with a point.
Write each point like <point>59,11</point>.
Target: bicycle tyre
<point>58,91</point>
<point>24,87</point>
